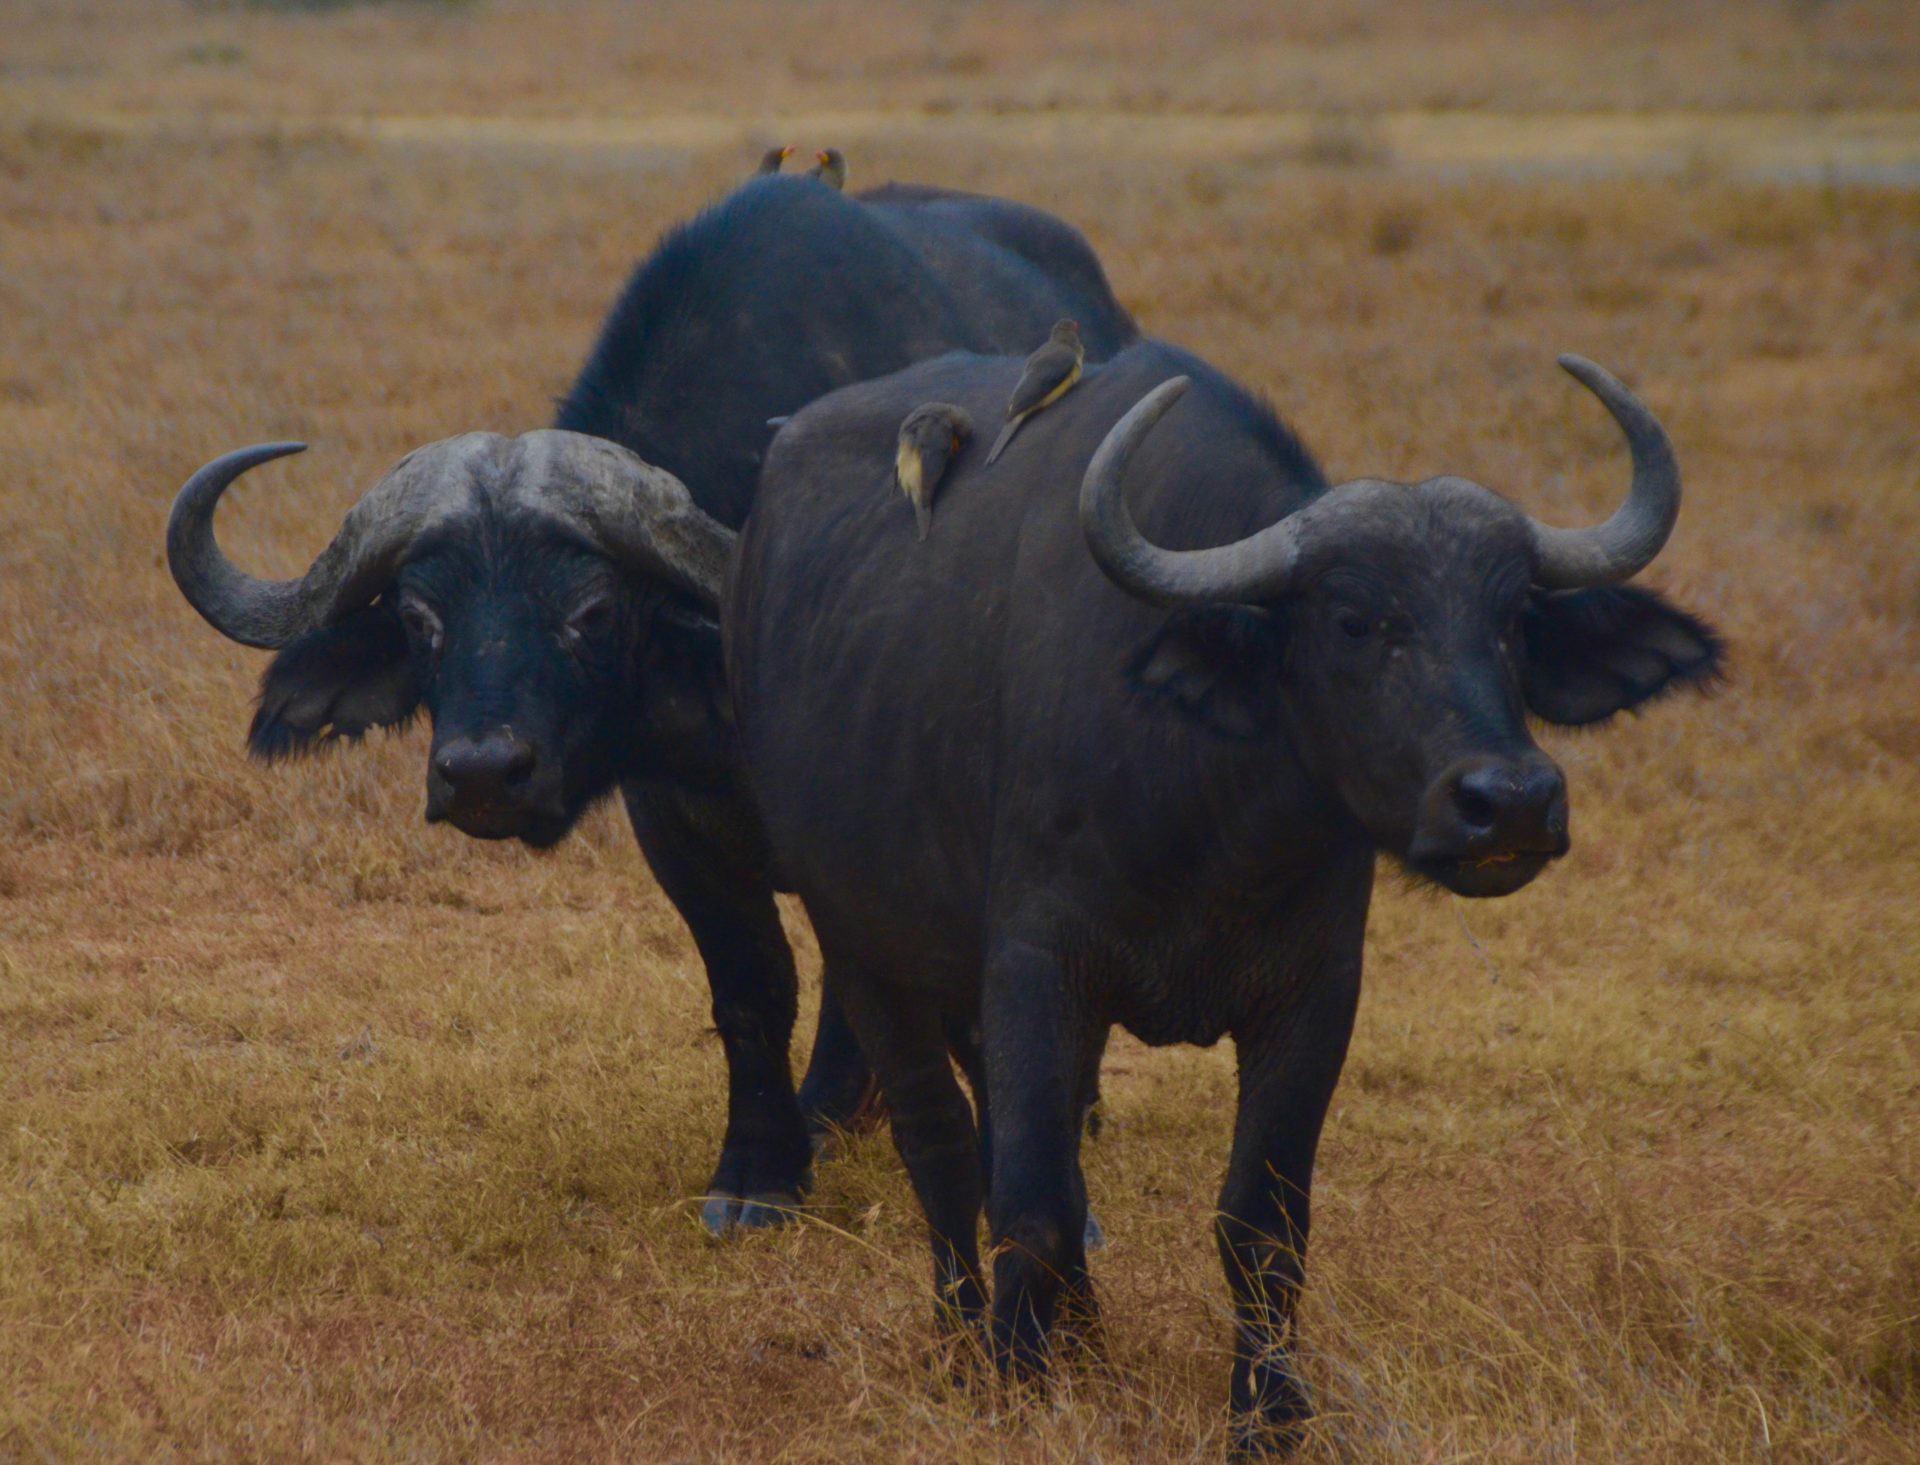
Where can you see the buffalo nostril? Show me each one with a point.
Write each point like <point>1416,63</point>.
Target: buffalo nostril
<point>1513,803</point>
<point>1556,802</point>
<point>517,768</point>
<point>1475,806</point>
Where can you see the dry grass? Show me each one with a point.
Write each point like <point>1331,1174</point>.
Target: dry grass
<point>323,1134</point>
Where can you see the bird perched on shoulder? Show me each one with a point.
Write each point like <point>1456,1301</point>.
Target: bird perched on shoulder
<point>831,169</point>
<point>930,438</point>
<point>1051,372</point>
<point>772,159</point>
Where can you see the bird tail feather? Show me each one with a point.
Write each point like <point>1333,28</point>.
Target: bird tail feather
<point>1006,436</point>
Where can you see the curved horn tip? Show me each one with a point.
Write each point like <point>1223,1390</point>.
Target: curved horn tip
<point>1168,392</point>
<point>1591,375</point>
<point>1143,415</point>
<point>229,466</point>
<point>1616,395</point>
<point>267,452</point>
<point>1125,434</point>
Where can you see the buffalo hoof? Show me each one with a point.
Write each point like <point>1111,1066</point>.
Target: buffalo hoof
<point>1277,1428</point>
<point>1079,1336</point>
<point>1267,1441</point>
<point>722,1214</point>
<point>1096,1234</point>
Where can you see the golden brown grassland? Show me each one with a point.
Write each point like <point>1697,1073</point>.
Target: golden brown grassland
<point>326,1135</point>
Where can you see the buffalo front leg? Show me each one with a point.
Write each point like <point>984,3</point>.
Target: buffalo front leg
<point>1037,1048</point>
<point>728,906</point>
<point>1288,1070</point>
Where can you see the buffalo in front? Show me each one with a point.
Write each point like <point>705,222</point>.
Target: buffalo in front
<point>1121,742</point>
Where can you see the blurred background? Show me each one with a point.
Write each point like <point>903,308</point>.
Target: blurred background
<point>326,1134</point>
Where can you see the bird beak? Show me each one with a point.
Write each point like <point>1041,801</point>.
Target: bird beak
<point>823,159</point>
<point>787,152</point>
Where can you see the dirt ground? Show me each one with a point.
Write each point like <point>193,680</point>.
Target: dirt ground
<point>327,1135</point>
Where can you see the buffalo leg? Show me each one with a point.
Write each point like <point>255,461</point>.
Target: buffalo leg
<point>901,1030</point>
<point>839,1092</point>
<point>764,1161</point>
<point>966,1052</point>
<point>1288,1069</point>
<point>1090,1124</point>
<point>1036,1050</point>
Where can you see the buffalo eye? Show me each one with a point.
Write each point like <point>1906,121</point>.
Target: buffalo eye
<point>1353,625</point>
<point>591,619</point>
<point>422,622</point>
<point>1510,625</point>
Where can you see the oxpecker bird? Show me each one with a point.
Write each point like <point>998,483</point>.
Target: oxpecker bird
<point>831,169</point>
<point>771,161</point>
<point>1050,374</point>
<point>930,438</point>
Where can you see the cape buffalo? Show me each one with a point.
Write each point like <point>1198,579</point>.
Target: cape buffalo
<point>541,597</point>
<point>1054,789</point>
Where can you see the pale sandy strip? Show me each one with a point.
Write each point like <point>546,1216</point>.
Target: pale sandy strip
<point>1880,146</point>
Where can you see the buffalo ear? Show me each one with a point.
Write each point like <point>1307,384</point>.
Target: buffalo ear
<point>1217,664</point>
<point>1593,653</point>
<point>335,682</point>
<point>683,687</point>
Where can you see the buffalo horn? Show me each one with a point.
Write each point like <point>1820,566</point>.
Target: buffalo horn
<point>640,515</point>
<point>1252,569</point>
<point>350,572</point>
<point>1573,559</point>
<point>1259,567</point>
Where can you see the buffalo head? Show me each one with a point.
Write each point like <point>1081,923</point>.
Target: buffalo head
<point>1397,635</point>
<point>537,595</point>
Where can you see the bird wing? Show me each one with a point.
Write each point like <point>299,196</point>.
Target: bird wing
<point>1050,371</point>
<point>933,464</point>
<point>906,468</point>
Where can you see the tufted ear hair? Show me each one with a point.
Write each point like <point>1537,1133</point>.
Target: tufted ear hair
<point>335,682</point>
<point>1593,653</point>
<point>1217,664</point>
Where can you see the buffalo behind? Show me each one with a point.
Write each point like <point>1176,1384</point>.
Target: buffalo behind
<point>547,600</point>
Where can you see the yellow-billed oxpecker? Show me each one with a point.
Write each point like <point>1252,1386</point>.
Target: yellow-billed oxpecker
<point>831,169</point>
<point>772,159</point>
<point>930,438</point>
<point>1050,374</point>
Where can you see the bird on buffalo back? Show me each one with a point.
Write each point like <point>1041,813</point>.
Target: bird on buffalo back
<point>1050,374</point>
<point>831,169</point>
<point>931,437</point>
<point>772,159</point>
